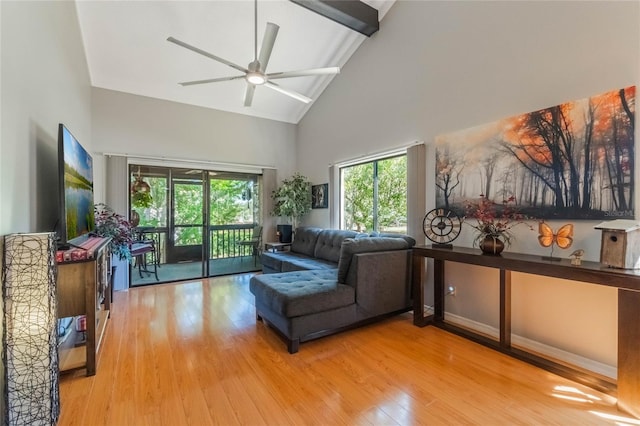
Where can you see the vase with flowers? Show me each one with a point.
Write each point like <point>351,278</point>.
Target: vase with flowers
<point>494,223</point>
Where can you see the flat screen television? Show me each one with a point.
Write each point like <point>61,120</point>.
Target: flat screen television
<point>75,177</point>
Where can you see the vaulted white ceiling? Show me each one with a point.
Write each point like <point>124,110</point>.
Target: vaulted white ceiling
<point>127,51</point>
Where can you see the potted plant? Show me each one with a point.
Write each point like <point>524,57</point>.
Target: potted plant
<point>292,200</point>
<point>493,223</point>
<point>140,197</point>
<point>114,225</point>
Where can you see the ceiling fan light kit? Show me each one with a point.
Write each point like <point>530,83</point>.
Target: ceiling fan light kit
<point>255,73</point>
<point>256,78</point>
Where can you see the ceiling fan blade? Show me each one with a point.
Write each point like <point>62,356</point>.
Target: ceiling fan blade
<point>288,92</point>
<point>248,94</point>
<point>211,80</point>
<point>302,73</point>
<point>270,34</point>
<point>207,54</point>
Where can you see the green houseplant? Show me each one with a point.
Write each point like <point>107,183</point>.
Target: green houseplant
<point>140,198</point>
<point>140,193</point>
<point>292,198</point>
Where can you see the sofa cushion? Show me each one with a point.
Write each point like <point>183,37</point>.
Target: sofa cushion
<point>305,264</point>
<point>330,242</point>
<point>365,245</point>
<point>294,294</point>
<point>272,260</point>
<point>304,241</point>
<point>410,240</point>
<point>276,260</point>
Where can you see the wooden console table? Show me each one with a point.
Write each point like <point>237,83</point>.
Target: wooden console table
<point>626,281</point>
<point>84,289</point>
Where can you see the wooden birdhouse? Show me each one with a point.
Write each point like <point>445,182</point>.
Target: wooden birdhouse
<point>620,244</point>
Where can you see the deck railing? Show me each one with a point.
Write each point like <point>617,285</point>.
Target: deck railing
<point>222,240</point>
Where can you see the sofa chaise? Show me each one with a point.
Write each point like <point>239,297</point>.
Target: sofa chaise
<point>332,280</point>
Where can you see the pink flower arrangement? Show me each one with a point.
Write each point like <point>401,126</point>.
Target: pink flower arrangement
<point>493,219</point>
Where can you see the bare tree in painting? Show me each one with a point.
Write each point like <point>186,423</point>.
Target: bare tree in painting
<point>537,151</point>
<point>616,144</point>
<point>587,167</point>
<point>629,143</point>
<point>508,183</point>
<point>627,110</point>
<point>488,165</point>
<point>547,148</point>
<point>448,169</point>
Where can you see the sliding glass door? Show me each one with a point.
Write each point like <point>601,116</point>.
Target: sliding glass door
<point>201,223</point>
<point>187,219</point>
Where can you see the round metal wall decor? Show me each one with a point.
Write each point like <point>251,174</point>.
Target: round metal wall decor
<point>442,226</point>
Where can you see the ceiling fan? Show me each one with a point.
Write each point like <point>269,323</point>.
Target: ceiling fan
<point>255,73</point>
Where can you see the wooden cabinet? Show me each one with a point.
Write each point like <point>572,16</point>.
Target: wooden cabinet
<point>84,289</point>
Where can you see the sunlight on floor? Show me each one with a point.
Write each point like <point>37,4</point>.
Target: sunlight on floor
<point>574,394</point>
<point>618,419</point>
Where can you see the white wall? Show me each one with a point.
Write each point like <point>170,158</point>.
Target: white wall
<point>437,67</point>
<point>142,126</point>
<point>45,81</point>
<point>137,125</point>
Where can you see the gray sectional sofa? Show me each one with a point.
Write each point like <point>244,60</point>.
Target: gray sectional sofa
<point>331,280</point>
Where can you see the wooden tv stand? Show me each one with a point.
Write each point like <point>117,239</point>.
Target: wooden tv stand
<point>626,281</point>
<point>83,289</point>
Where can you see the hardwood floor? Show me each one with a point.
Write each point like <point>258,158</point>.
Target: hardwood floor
<point>192,354</point>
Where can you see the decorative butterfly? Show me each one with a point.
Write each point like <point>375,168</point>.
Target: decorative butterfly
<point>563,238</point>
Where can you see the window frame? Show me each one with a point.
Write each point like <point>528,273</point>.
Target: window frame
<point>374,160</point>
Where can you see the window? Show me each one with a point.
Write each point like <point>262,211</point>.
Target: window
<point>374,195</point>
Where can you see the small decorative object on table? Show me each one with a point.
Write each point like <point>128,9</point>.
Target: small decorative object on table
<point>547,238</point>
<point>441,226</point>
<point>576,257</point>
<point>494,223</point>
<point>620,244</point>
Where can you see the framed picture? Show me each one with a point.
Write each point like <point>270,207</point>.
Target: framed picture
<point>320,196</point>
<point>569,161</point>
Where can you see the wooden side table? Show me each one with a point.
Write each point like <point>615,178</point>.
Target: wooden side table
<point>276,246</point>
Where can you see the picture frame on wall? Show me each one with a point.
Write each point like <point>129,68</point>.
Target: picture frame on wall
<point>571,161</point>
<point>320,196</point>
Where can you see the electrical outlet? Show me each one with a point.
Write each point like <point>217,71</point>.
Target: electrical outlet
<point>451,291</point>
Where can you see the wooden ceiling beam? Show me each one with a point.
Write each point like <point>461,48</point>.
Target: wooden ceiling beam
<point>353,14</point>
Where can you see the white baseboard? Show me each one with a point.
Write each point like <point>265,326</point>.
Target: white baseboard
<point>534,346</point>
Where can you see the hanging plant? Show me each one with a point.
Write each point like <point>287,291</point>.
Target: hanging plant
<point>140,193</point>
<point>141,199</point>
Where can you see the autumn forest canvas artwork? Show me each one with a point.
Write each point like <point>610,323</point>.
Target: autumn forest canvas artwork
<point>570,161</point>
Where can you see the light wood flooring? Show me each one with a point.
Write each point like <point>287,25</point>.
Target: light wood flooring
<point>192,354</point>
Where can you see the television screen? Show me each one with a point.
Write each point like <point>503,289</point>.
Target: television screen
<point>76,189</point>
